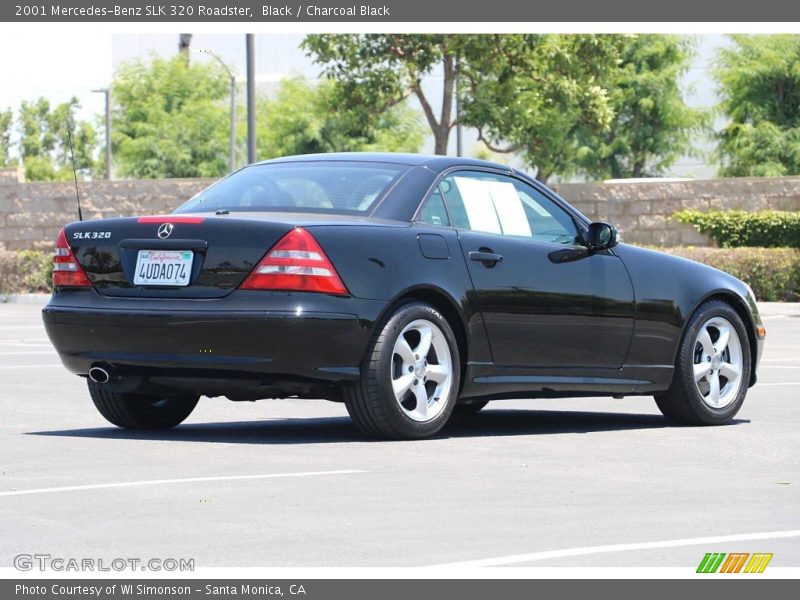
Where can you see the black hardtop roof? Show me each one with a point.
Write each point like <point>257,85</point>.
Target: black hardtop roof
<point>434,162</point>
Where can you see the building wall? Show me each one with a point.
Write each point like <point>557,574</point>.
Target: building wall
<point>31,214</point>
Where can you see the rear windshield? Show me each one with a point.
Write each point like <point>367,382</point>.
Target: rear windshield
<point>329,187</point>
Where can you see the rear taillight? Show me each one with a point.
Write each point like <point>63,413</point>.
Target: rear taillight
<point>66,270</point>
<point>296,263</point>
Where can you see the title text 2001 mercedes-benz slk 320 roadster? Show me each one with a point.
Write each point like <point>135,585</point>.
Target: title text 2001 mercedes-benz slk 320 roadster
<point>405,286</point>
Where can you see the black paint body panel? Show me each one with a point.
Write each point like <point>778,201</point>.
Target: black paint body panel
<point>540,313</point>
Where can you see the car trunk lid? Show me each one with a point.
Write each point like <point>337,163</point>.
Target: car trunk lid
<point>219,252</point>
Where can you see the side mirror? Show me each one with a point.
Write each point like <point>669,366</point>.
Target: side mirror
<point>601,236</point>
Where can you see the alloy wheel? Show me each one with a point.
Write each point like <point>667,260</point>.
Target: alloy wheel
<point>718,362</point>
<point>421,370</point>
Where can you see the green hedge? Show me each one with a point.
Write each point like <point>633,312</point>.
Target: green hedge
<point>25,271</point>
<point>738,228</point>
<point>773,273</point>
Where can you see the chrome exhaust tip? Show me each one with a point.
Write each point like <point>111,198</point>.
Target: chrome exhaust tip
<point>99,375</point>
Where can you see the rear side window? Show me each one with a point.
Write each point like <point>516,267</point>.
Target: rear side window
<point>336,187</point>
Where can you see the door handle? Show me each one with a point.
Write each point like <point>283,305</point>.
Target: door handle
<point>486,257</point>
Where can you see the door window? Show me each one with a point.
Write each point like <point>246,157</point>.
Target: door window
<point>493,203</point>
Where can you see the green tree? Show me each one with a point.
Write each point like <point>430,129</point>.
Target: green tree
<point>534,94</point>
<point>44,140</point>
<point>524,93</point>
<point>170,118</point>
<point>304,118</point>
<point>759,80</point>
<point>378,71</point>
<point>652,126</point>
<point>6,121</point>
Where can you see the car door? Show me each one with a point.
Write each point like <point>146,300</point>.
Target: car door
<point>546,300</point>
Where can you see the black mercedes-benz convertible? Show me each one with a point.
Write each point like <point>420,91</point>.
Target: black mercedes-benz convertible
<point>407,287</point>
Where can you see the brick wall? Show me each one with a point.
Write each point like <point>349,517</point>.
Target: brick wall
<point>31,214</point>
<point>12,175</point>
<point>642,211</point>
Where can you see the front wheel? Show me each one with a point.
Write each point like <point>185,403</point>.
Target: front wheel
<point>712,369</point>
<point>410,378</point>
<point>141,411</point>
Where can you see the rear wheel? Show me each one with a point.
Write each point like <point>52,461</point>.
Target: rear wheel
<point>410,379</point>
<point>712,370</point>
<point>141,411</point>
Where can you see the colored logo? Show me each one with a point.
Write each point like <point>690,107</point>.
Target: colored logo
<point>734,562</point>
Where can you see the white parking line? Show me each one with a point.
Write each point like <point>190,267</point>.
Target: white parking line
<point>99,486</point>
<point>27,352</point>
<point>26,345</point>
<point>779,383</point>
<point>29,366</point>
<point>536,556</point>
<point>784,359</point>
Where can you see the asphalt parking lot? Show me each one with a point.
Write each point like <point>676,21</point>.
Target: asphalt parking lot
<point>291,483</point>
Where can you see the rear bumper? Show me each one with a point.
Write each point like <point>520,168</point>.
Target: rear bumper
<point>256,335</point>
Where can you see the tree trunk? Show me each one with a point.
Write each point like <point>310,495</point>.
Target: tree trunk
<point>441,137</point>
<point>440,127</point>
<point>445,123</point>
<point>616,169</point>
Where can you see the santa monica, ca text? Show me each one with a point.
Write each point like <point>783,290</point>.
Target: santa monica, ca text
<point>245,589</point>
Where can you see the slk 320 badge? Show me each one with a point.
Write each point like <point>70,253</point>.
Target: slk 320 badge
<point>91,235</point>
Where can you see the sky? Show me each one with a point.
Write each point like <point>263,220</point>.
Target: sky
<point>63,66</point>
<point>67,65</point>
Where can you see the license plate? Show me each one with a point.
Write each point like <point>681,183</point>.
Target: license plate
<point>163,267</point>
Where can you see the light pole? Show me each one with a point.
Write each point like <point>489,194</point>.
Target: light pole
<point>459,128</point>
<point>232,77</point>
<point>250,45</point>
<point>107,94</point>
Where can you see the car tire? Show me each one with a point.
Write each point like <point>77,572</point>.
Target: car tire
<point>141,411</point>
<point>693,398</point>
<point>470,408</point>
<point>404,393</point>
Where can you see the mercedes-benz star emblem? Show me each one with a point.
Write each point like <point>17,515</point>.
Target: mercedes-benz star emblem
<point>165,230</point>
